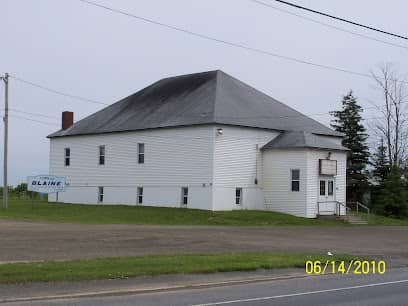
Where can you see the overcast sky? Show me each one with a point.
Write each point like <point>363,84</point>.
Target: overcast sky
<point>86,51</point>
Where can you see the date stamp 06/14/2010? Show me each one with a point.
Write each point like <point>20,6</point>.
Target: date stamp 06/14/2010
<point>363,267</point>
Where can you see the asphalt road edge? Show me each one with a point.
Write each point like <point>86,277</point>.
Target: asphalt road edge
<point>129,291</point>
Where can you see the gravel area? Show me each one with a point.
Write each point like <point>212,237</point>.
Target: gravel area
<point>31,241</point>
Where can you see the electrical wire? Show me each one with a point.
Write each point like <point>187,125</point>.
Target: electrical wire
<point>341,19</point>
<point>182,136</point>
<point>33,114</point>
<point>33,120</point>
<point>229,43</point>
<point>374,106</point>
<point>56,91</point>
<point>329,25</point>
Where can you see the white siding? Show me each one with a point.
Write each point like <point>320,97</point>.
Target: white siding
<point>211,166</point>
<point>313,157</point>
<point>277,181</point>
<point>277,165</point>
<point>336,140</point>
<point>235,160</point>
<point>174,157</point>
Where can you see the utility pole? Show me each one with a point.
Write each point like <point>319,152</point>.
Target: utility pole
<point>5,119</point>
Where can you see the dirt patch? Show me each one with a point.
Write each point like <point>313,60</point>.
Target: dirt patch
<point>27,241</point>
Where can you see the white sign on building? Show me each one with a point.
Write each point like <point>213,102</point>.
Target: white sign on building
<point>46,183</point>
<point>327,167</point>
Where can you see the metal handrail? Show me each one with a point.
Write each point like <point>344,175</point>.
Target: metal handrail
<point>365,207</point>
<point>358,204</point>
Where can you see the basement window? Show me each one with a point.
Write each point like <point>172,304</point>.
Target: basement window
<point>140,153</point>
<point>101,155</point>
<point>238,196</point>
<point>295,179</point>
<point>184,196</point>
<point>100,194</point>
<point>139,195</point>
<point>67,157</point>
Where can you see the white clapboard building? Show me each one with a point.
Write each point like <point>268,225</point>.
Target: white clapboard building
<point>204,141</point>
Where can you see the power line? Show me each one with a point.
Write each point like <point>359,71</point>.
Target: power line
<point>329,25</point>
<point>34,120</point>
<point>33,114</point>
<point>229,43</point>
<point>374,106</point>
<point>57,91</point>
<point>176,136</point>
<point>225,117</point>
<point>341,19</point>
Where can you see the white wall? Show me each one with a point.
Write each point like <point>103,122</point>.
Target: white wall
<point>277,181</point>
<point>335,140</point>
<point>174,157</point>
<point>279,197</point>
<point>211,166</point>
<point>237,163</point>
<point>313,157</point>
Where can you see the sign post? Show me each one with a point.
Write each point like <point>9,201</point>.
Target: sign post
<point>45,184</point>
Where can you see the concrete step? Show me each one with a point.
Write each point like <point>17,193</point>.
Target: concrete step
<point>353,219</point>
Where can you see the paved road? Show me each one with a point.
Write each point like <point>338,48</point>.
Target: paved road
<point>388,289</point>
<point>42,240</point>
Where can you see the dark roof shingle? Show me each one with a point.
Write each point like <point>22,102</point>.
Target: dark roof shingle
<point>301,139</point>
<point>212,97</point>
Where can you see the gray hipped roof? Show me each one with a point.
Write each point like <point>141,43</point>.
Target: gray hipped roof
<point>212,97</point>
<point>300,139</point>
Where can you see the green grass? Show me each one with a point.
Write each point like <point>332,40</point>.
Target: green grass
<point>124,267</point>
<point>381,220</point>
<point>20,209</point>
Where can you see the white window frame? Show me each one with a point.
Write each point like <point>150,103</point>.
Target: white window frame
<point>101,194</point>
<point>330,182</point>
<point>67,157</point>
<point>238,198</point>
<point>140,155</point>
<point>101,155</point>
<point>184,196</point>
<point>140,195</point>
<point>325,188</point>
<point>294,180</point>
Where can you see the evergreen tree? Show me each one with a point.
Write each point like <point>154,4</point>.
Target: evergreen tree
<point>393,198</point>
<point>380,163</point>
<point>349,122</point>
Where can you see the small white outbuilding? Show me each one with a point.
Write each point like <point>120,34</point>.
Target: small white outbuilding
<point>204,141</point>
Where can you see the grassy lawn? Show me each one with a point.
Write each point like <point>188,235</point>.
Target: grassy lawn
<point>381,220</point>
<point>120,214</point>
<point>20,209</point>
<point>123,267</point>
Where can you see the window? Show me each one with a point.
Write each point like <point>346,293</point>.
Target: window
<point>330,188</point>
<point>67,157</point>
<point>139,195</point>
<point>238,196</point>
<point>101,155</point>
<point>100,194</point>
<point>184,196</point>
<point>322,188</point>
<point>295,178</point>
<point>140,153</point>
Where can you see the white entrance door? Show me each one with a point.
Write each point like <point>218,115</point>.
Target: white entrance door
<point>326,196</point>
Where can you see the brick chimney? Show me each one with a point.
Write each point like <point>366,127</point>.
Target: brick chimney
<point>67,119</point>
